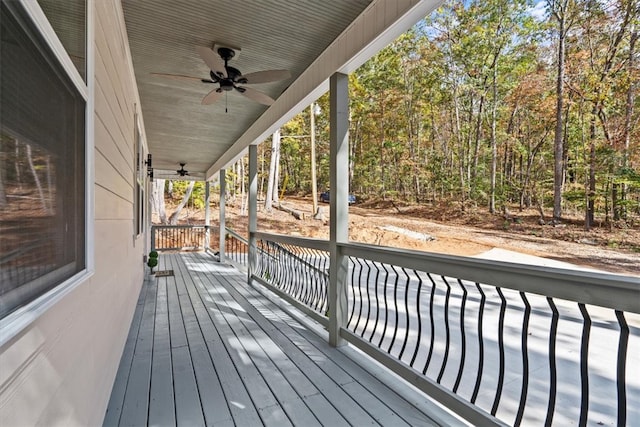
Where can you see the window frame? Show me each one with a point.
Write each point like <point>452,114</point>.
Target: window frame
<point>140,182</point>
<point>18,320</point>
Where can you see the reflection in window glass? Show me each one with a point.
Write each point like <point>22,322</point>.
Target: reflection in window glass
<point>41,166</point>
<point>68,19</point>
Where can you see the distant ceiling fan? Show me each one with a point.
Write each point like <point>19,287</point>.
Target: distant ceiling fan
<point>182,171</point>
<point>229,78</point>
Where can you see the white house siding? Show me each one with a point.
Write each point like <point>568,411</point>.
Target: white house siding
<point>59,370</point>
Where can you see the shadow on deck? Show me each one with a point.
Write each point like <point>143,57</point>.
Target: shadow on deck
<point>206,349</point>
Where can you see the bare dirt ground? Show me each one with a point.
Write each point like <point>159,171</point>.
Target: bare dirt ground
<point>469,233</point>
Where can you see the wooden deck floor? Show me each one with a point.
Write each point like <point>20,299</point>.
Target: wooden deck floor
<point>206,349</point>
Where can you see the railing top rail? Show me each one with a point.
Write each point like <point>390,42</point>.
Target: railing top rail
<point>589,287</point>
<point>318,244</point>
<point>236,235</point>
<point>162,226</point>
<point>602,289</point>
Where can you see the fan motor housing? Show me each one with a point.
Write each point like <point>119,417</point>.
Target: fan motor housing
<point>226,85</point>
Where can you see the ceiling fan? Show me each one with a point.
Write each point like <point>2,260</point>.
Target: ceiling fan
<point>182,171</point>
<point>228,78</point>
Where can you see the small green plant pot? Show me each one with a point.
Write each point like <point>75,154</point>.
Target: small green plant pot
<point>152,262</point>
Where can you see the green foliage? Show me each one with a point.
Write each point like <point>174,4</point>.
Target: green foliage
<point>197,195</point>
<point>422,111</point>
<point>153,254</point>
<point>152,262</point>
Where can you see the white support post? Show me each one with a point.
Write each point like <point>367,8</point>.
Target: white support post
<point>253,209</point>
<point>339,208</point>
<point>223,226</point>
<point>207,215</point>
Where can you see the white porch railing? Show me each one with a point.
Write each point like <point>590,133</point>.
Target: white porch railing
<point>497,343</point>
<point>178,237</point>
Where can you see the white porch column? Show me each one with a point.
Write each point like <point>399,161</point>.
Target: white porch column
<point>222,227</point>
<point>207,215</point>
<point>253,209</point>
<point>339,208</point>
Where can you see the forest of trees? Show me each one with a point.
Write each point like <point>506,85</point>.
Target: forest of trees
<point>490,104</point>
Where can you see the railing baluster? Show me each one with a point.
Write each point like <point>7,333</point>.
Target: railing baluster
<point>375,323</point>
<point>463,349</point>
<point>503,308</point>
<point>367,284</point>
<point>306,295</point>
<point>553,375</point>
<point>445,357</point>
<point>293,289</point>
<point>418,317</point>
<point>395,309</point>
<point>361,302</point>
<point>476,387</point>
<point>584,365</point>
<point>621,368</point>
<point>352,263</point>
<point>525,359</point>
<point>386,306</point>
<point>406,313</point>
<point>432,324</point>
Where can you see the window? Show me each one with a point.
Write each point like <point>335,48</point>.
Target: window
<point>139,195</point>
<point>68,20</point>
<point>42,165</point>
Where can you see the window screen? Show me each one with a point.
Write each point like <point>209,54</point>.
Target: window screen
<point>140,175</point>
<point>68,20</point>
<point>42,161</point>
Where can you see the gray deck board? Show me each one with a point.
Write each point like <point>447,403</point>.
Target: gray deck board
<point>136,402</point>
<point>161,397</point>
<point>375,409</point>
<point>112,416</point>
<point>207,349</point>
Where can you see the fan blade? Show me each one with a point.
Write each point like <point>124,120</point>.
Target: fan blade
<point>255,95</point>
<point>212,97</point>
<point>266,76</point>
<point>177,77</point>
<point>213,61</point>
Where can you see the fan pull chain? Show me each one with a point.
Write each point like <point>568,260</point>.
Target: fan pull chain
<point>226,95</point>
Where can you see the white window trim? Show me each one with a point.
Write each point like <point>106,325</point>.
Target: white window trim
<point>16,322</point>
<point>41,22</point>
<point>139,178</point>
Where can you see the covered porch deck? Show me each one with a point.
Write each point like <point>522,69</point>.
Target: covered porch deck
<point>205,348</point>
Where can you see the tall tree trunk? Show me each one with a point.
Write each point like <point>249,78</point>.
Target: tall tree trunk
<point>559,10</point>
<point>272,183</point>
<point>458,135</point>
<point>276,178</point>
<point>157,198</point>
<point>17,166</point>
<point>243,206</point>
<point>36,179</point>
<point>494,144</point>
<point>622,211</point>
<point>382,161</point>
<point>262,160</point>
<point>476,146</point>
<point>314,179</point>
<point>3,194</point>
<point>591,185</point>
<point>173,219</point>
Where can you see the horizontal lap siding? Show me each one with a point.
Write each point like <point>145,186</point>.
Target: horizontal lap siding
<point>60,369</point>
<point>118,257</point>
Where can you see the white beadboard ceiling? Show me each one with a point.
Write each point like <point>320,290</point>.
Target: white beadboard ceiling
<point>310,38</point>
